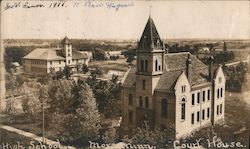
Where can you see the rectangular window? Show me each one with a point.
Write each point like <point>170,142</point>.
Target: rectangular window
<point>183,88</point>
<point>208,94</point>
<point>203,96</point>
<point>198,116</point>
<point>68,54</point>
<point>217,109</point>
<point>69,61</point>
<point>193,99</point>
<point>220,108</point>
<point>218,93</point>
<point>208,112</point>
<point>221,92</point>
<point>203,114</point>
<point>59,62</point>
<point>192,118</point>
<point>143,84</point>
<point>50,62</point>
<point>198,97</point>
<point>130,99</point>
<point>130,116</point>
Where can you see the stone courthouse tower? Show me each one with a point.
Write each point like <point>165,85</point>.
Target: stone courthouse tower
<point>170,89</point>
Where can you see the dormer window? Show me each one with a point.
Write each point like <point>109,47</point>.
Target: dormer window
<point>158,43</point>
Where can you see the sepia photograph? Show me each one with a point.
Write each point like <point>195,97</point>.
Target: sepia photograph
<point>124,74</point>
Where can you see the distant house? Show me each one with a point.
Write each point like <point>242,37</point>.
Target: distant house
<point>17,68</point>
<point>45,60</point>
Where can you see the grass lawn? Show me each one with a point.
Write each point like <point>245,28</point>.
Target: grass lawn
<point>119,65</point>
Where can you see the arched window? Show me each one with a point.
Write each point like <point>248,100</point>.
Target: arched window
<point>140,102</point>
<point>183,109</point>
<point>221,92</point>
<point>146,102</point>
<point>158,43</point>
<point>164,108</point>
<point>156,65</point>
<point>142,65</point>
<point>146,65</point>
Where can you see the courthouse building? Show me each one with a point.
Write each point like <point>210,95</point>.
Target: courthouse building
<point>171,89</point>
<point>45,60</point>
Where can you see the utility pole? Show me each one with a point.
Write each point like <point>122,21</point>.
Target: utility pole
<point>43,123</point>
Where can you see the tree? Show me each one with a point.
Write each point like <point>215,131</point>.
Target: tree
<point>99,54</point>
<point>153,137</point>
<point>107,94</point>
<point>67,72</point>
<point>235,77</point>
<point>74,111</point>
<point>85,68</point>
<point>13,54</point>
<point>88,114</point>
<point>97,71</point>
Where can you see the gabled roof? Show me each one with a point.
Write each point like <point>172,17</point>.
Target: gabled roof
<point>150,37</point>
<point>175,64</point>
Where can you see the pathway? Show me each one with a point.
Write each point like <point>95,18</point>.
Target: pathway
<point>32,136</point>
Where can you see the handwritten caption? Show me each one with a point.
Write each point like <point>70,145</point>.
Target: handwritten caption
<point>113,5</point>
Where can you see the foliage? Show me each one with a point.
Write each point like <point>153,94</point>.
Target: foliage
<point>236,76</point>
<point>87,113</point>
<point>13,54</point>
<point>32,102</point>
<point>67,72</point>
<point>10,106</point>
<point>85,68</point>
<point>114,57</point>
<point>32,106</point>
<point>44,79</point>
<point>74,110</point>
<point>96,71</point>
<point>99,54</point>
<point>220,58</point>
<point>152,137</point>
<point>107,94</point>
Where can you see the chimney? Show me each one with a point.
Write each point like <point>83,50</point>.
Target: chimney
<point>189,68</point>
<point>211,68</point>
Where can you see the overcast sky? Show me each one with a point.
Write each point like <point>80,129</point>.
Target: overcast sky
<point>173,19</point>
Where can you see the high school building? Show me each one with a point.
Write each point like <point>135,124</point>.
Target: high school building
<point>45,60</point>
<point>171,89</point>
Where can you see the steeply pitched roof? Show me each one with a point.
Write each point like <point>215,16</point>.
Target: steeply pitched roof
<point>66,40</point>
<point>175,64</point>
<point>130,80</point>
<point>150,37</point>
